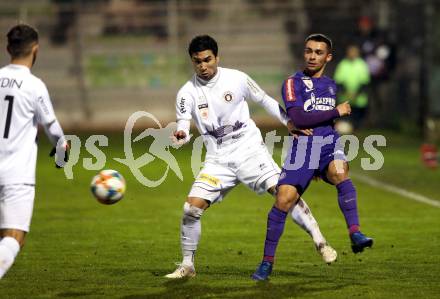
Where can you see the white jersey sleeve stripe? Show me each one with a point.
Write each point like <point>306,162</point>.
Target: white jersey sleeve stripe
<point>269,104</point>
<point>44,109</point>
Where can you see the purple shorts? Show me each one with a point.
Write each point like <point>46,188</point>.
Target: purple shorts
<point>310,157</point>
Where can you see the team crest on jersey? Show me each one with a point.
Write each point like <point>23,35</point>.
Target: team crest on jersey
<point>282,176</point>
<point>308,83</point>
<point>228,96</point>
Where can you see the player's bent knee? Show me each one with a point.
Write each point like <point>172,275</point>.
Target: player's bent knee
<point>17,234</point>
<point>286,198</point>
<point>21,241</point>
<point>337,172</point>
<point>200,202</point>
<point>272,191</point>
<point>337,178</point>
<point>191,212</point>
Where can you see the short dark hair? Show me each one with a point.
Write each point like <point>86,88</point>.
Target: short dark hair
<point>202,43</point>
<point>21,38</point>
<point>319,37</point>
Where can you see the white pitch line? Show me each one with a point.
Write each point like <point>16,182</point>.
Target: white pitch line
<point>397,190</point>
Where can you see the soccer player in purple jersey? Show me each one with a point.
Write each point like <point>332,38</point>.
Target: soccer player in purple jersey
<point>310,99</point>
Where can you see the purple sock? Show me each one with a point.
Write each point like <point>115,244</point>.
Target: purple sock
<point>275,227</point>
<point>347,199</point>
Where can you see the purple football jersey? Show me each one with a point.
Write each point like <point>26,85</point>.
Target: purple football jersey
<point>312,94</point>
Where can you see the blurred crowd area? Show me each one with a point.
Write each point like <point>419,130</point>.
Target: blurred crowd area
<point>105,59</point>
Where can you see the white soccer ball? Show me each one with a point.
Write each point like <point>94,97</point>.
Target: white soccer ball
<point>108,186</point>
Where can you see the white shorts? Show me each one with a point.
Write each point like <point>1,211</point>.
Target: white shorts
<point>16,205</point>
<point>257,170</point>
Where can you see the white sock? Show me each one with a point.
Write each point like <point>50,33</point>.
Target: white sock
<point>9,249</point>
<point>302,216</point>
<point>190,232</point>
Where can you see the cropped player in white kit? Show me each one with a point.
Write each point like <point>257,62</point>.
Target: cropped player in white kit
<point>24,103</point>
<point>216,99</point>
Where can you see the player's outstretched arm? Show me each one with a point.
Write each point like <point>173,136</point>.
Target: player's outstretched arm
<point>303,119</point>
<point>46,117</point>
<point>272,107</point>
<point>183,116</point>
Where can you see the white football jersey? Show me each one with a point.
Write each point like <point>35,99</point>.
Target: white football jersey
<point>220,110</point>
<point>24,103</point>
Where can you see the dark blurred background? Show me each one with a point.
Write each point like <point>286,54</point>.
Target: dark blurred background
<point>105,59</point>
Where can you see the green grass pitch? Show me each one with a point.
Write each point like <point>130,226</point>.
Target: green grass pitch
<point>78,248</point>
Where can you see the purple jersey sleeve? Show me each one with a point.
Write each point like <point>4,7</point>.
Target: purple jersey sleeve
<point>304,120</point>
<point>291,92</point>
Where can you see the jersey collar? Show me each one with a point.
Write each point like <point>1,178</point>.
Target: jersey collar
<point>19,66</point>
<point>212,81</point>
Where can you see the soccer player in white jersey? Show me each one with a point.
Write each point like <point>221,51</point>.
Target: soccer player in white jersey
<point>216,99</point>
<point>24,103</point>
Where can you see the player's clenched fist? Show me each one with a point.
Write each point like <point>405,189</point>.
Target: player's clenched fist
<point>179,138</point>
<point>180,135</point>
<point>344,109</point>
<point>64,157</point>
